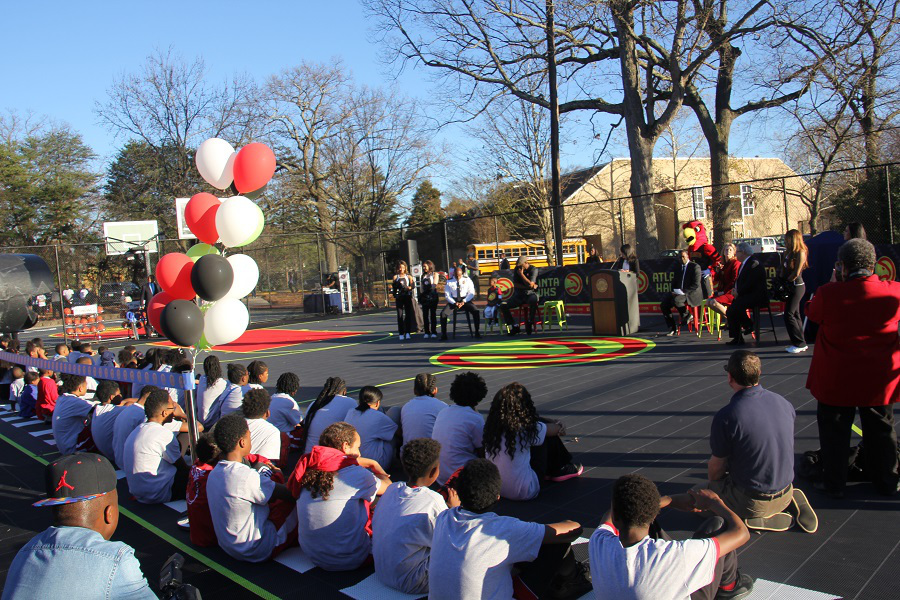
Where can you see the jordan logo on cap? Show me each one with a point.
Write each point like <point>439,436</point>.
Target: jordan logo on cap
<point>62,482</point>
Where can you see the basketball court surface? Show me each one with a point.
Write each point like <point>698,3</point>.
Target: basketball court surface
<point>631,404</point>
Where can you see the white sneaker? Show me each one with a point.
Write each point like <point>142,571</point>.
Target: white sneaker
<point>797,349</point>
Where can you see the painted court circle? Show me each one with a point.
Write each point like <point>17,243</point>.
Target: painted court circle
<point>535,353</point>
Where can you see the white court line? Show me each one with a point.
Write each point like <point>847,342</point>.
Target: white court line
<point>120,474</point>
<point>17,419</point>
<point>294,558</point>
<point>370,587</point>
<point>41,433</point>
<point>26,422</point>
<point>51,441</point>
<point>766,590</point>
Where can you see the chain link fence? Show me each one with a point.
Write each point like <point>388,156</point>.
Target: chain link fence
<point>298,271</point>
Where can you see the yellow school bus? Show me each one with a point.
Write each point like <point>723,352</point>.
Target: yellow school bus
<point>488,255</point>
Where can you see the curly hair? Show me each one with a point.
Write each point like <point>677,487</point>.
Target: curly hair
<point>478,485</point>
<point>635,501</point>
<point>512,421</point>
<point>288,383</point>
<point>320,483</point>
<point>419,455</point>
<point>255,403</point>
<point>71,382</point>
<point>228,432</point>
<point>468,389</point>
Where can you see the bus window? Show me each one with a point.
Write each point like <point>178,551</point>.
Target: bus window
<point>489,254</point>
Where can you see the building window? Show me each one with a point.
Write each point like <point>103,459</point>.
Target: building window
<point>698,202</point>
<point>748,207</point>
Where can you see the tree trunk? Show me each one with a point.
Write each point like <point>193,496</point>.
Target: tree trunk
<point>325,222</point>
<point>720,177</point>
<point>641,189</point>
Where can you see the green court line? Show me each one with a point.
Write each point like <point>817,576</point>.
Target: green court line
<point>199,557</point>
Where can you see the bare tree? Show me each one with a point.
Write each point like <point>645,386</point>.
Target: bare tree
<point>171,105</point>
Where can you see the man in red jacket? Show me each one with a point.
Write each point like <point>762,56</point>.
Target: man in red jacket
<point>856,366</point>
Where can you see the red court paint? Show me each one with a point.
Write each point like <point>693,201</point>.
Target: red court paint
<point>258,340</point>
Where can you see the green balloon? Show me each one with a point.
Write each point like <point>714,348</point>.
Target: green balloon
<point>198,250</point>
<point>202,344</point>
<point>261,223</point>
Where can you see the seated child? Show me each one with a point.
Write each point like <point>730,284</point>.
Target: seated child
<point>283,410</point>
<point>203,532</point>
<point>375,429</point>
<point>28,399</point>
<point>152,458</point>
<point>48,392</point>
<point>330,406</point>
<point>493,300</point>
<point>460,427</point>
<point>265,437</point>
<point>239,496</point>
<point>72,408</point>
<point>257,375</point>
<point>418,415</point>
<point>17,386</point>
<point>335,490</point>
<point>403,525</point>
<point>526,449</point>
<point>638,560</point>
<point>91,382</point>
<point>103,423</point>
<point>473,551</point>
<point>233,396</point>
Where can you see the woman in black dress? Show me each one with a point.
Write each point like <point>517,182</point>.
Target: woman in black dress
<point>428,298</point>
<point>402,289</point>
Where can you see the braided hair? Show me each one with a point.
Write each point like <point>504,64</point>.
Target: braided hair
<point>334,386</point>
<point>511,422</point>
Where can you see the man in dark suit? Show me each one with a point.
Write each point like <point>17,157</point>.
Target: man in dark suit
<point>749,291</point>
<point>685,292</point>
<point>504,262</point>
<point>148,290</point>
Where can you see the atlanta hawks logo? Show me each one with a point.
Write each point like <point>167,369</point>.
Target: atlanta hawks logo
<point>573,284</point>
<point>885,269</point>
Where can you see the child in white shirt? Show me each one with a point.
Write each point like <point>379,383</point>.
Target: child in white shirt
<point>459,428</point>
<point>265,437</point>
<point>17,386</point>
<point>330,406</point>
<point>283,410</point>
<point>376,429</point>
<point>418,415</point>
<point>233,396</point>
<point>239,496</point>
<point>403,525</point>
<point>335,489</point>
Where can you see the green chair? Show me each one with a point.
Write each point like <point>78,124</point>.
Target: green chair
<point>713,322</point>
<point>555,311</point>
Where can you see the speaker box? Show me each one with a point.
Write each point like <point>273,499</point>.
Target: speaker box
<point>412,252</point>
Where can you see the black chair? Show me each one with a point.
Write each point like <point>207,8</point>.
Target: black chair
<point>757,310</point>
<point>468,322</point>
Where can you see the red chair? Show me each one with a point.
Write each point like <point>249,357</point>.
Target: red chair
<point>694,325</point>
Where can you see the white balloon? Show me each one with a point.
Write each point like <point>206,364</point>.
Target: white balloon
<point>236,221</point>
<point>246,275</point>
<point>225,321</point>
<point>215,162</point>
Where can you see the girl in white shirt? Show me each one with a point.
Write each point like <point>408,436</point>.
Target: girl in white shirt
<point>283,409</point>
<point>376,430</point>
<point>331,406</point>
<point>209,389</point>
<point>525,448</point>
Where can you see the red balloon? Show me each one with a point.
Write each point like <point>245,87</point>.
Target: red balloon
<point>254,166</point>
<point>173,272</point>
<point>155,308</point>
<point>200,217</point>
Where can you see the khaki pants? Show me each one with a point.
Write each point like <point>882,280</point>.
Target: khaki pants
<point>747,507</point>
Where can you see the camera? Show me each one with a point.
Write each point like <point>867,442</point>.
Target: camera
<point>171,586</point>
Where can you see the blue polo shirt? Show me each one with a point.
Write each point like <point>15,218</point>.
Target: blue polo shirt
<point>755,432</point>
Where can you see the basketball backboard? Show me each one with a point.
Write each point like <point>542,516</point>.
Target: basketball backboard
<point>184,232</point>
<point>122,236</point>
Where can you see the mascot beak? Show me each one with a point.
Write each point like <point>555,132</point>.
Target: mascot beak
<point>690,235</point>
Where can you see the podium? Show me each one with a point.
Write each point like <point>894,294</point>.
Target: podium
<point>614,303</point>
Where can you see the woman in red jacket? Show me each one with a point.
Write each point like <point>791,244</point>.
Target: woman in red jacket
<point>726,277</point>
<point>856,366</point>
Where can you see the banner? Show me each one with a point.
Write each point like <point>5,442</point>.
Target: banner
<point>570,283</point>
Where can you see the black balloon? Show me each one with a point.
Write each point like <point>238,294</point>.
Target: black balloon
<point>212,277</point>
<point>256,193</point>
<point>182,322</point>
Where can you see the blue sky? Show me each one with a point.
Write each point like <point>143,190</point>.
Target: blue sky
<point>63,56</point>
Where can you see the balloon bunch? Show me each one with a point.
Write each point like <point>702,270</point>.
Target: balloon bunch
<point>203,271</point>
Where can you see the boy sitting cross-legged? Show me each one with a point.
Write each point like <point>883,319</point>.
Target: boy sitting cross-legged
<point>403,525</point>
<point>265,437</point>
<point>474,551</point>
<point>239,496</point>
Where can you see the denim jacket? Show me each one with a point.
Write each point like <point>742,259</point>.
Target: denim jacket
<point>75,563</point>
